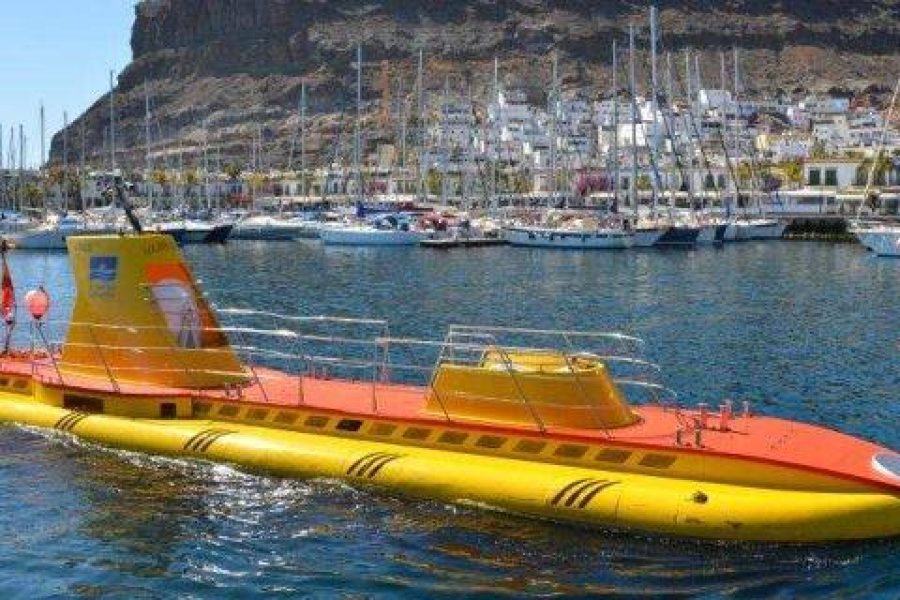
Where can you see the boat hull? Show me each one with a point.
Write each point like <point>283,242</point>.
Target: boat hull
<point>51,239</point>
<point>712,234</point>
<point>679,235</point>
<point>756,230</point>
<point>881,242</point>
<point>595,497</point>
<point>571,240</point>
<point>370,237</point>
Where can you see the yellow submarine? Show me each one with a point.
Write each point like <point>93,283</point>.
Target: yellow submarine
<point>543,432</point>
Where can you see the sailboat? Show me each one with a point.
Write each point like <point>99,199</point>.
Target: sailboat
<point>384,231</point>
<point>592,233</point>
<point>880,238</point>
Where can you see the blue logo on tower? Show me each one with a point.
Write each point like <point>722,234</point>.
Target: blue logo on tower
<point>103,271</point>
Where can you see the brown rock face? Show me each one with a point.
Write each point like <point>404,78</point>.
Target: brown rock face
<point>222,73</point>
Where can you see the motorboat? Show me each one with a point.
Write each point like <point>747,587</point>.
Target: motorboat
<point>273,228</point>
<point>761,228</point>
<point>56,230</point>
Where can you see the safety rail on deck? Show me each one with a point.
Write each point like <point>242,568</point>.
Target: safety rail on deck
<point>298,355</point>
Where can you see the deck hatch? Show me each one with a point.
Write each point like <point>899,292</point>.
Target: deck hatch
<point>657,461</point>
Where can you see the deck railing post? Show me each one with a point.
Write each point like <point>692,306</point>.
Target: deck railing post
<point>106,367</point>
<point>595,409</point>
<point>511,370</point>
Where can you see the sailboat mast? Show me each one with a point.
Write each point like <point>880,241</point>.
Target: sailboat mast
<point>43,139</point>
<point>494,132</point>
<point>615,117</point>
<point>674,183</point>
<point>303,138</point>
<point>357,151</point>
<point>148,165</point>
<point>654,104</point>
<point>112,122</point>
<point>737,136</point>
<point>421,129</point>
<point>65,160</point>
<point>633,190</point>
<point>445,143</point>
<point>554,105</point>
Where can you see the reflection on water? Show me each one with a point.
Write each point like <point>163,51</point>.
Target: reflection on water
<point>806,330</point>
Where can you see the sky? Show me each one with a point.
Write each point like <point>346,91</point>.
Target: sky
<point>58,52</point>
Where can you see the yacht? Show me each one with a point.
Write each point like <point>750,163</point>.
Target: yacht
<point>759,228</point>
<point>271,228</point>
<point>388,230</point>
<point>52,234</point>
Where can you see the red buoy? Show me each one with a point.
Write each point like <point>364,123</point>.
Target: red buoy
<point>38,303</point>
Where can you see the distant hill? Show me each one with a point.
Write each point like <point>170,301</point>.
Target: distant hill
<point>235,66</point>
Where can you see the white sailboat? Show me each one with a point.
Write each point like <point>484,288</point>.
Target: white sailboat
<point>881,238</point>
<point>382,233</point>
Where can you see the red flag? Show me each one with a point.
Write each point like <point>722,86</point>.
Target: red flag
<point>8,295</point>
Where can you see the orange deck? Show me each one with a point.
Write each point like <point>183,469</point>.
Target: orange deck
<point>762,439</point>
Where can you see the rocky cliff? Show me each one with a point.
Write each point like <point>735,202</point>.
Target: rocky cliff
<point>223,73</point>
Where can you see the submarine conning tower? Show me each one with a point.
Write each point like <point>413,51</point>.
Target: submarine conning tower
<point>140,318</point>
<point>524,387</point>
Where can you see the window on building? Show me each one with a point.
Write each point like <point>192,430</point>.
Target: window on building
<point>721,182</point>
<point>831,177</point>
<point>815,177</point>
<point>709,182</point>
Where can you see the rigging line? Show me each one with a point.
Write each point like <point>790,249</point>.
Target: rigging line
<point>635,114</point>
<point>877,158</point>
<point>697,133</point>
<point>669,134</point>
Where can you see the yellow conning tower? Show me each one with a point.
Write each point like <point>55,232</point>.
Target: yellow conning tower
<point>139,317</point>
<point>548,388</point>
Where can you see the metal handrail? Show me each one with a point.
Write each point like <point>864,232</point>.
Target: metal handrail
<point>554,332</point>
<point>463,344</point>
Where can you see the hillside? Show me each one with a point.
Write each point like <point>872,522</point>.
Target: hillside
<point>235,66</point>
